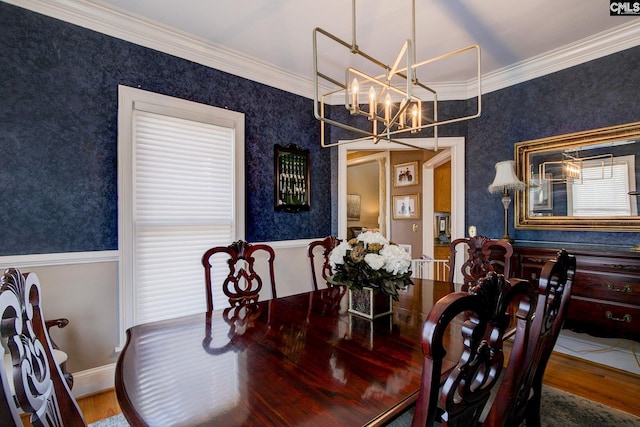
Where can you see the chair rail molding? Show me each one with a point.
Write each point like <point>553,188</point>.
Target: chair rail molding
<point>65,258</point>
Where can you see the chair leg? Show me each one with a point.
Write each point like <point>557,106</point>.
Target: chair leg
<point>532,413</point>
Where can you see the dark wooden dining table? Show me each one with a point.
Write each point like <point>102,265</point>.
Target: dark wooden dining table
<point>301,360</point>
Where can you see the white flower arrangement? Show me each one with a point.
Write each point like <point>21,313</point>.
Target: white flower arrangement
<point>371,260</point>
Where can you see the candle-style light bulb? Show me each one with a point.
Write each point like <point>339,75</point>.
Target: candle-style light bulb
<point>354,94</point>
<point>372,103</point>
<point>414,117</point>
<point>403,115</point>
<point>387,108</point>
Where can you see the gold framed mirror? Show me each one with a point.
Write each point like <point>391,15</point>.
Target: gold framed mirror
<point>580,181</point>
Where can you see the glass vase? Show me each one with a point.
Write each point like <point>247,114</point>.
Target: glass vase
<point>367,303</point>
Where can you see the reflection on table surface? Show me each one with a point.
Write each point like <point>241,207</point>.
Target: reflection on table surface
<point>298,360</point>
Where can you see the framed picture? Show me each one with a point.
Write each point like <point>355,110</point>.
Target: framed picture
<point>353,207</point>
<point>405,174</point>
<point>442,227</point>
<point>406,207</point>
<point>291,178</point>
<point>541,193</point>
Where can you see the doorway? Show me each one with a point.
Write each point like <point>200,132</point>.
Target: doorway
<point>456,153</point>
<point>366,197</point>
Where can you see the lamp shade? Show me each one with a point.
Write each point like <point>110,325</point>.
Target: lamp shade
<point>505,178</point>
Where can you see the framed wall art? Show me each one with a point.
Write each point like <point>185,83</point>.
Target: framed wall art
<point>291,178</point>
<point>353,207</point>
<point>406,206</point>
<point>405,174</point>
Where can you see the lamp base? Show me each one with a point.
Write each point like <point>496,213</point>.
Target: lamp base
<point>506,201</point>
<point>507,238</point>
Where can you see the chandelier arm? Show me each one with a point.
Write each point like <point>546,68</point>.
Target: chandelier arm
<point>394,123</point>
<point>353,49</point>
<point>335,82</point>
<point>394,68</point>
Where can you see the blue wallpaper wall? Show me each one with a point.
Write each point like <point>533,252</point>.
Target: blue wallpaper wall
<point>597,94</point>
<point>600,93</point>
<point>58,135</point>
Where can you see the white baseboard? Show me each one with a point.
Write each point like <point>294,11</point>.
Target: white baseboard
<point>94,380</point>
<point>614,352</point>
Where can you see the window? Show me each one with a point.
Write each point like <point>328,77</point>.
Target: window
<point>181,175</point>
<point>611,184</point>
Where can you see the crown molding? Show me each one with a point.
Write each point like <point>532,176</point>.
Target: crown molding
<point>585,50</point>
<point>105,19</point>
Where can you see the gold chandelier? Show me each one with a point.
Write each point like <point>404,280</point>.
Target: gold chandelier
<point>392,99</point>
<point>571,168</point>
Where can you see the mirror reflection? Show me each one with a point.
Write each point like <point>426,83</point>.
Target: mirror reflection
<point>580,181</point>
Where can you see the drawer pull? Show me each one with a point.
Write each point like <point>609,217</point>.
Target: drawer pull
<point>626,288</point>
<point>625,318</point>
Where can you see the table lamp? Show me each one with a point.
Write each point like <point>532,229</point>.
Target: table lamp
<point>505,180</point>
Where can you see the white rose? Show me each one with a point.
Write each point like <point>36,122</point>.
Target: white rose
<point>375,261</point>
<point>397,260</point>
<point>338,253</point>
<point>372,237</point>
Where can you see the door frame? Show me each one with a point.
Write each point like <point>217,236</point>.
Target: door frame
<point>456,150</point>
<point>382,159</point>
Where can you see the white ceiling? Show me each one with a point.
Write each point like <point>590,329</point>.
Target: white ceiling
<point>278,33</point>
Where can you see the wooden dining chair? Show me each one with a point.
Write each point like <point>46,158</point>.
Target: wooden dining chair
<point>242,283</point>
<point>484,311</point>
<point>518,397</point>
<point>59,355</point>
<point>39,387</point>
<point>326,245</point>
<point>483,255</point>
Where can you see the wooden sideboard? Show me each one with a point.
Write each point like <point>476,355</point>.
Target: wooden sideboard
<point>605,301</point>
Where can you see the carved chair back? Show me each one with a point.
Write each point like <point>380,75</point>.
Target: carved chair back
<point>518,397</point>
<point>327,244</point>
<point>483,256</point>
<point>242,284</point>
<point>485,315</point>
<point>8,410</point>
<point>39,385</point>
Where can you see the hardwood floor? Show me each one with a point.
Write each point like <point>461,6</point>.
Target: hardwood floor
<point>612,387</point>
<point>94,407</point>
<point>99,406</point>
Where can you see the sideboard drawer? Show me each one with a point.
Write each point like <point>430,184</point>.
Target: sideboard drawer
<point>603,319</point>
<point>605,299</point>
<point>607,286</point>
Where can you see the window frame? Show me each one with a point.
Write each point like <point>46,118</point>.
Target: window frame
<point>130,99</point>
<point>629,176</point>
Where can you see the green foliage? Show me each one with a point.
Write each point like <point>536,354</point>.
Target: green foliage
<point>358,274</point>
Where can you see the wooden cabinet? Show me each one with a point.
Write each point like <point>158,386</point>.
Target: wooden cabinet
<point>441,252</point>
<point>605,300</point>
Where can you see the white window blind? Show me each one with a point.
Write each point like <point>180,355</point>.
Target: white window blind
<point>603,190</point>
<point>181,166</point>
<point>183,206</point>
